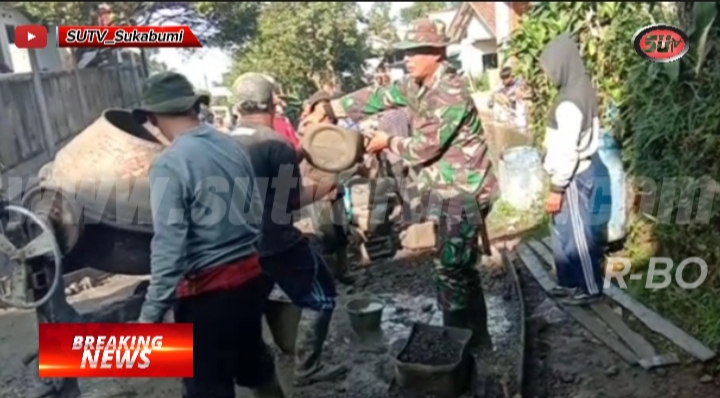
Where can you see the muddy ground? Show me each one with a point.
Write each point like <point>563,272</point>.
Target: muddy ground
<point>563,360</point>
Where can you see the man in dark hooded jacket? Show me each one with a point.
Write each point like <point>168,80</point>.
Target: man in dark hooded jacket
<point>580,184</point>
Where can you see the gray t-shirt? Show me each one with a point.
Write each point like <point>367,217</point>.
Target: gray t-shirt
<point>277,173</point>
<point>205,213</point>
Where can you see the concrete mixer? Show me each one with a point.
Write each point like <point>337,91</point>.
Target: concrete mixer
<point>91,209</point>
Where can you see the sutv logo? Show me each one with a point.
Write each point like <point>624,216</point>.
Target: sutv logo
<point>661,43</point>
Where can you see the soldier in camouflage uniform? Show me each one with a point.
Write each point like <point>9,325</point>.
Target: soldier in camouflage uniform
<point>447,147</point>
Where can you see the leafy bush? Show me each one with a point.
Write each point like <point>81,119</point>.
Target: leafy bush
<point>669,124</point>
<point>671,119</point>
<point>603,29</point>
<point>479,83</point>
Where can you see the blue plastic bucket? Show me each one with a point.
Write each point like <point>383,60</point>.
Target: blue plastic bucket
<point>611,156</point>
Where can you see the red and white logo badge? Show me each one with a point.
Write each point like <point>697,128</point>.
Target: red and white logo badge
<point>661,43</point>
<point>31,36</point>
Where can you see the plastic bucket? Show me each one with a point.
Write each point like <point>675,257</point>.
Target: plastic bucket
<point>610,155</point>
<point>521,177</point>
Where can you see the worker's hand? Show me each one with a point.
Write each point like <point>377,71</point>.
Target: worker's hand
<point>379,141</point>
<point>301,154</point>
<point>316,116</point>
<point>553,203</point>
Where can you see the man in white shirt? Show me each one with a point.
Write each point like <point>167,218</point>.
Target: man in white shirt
<point>580,184</point>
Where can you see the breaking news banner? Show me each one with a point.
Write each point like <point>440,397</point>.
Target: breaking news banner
<point>126,36</point>
<point>115,350</point>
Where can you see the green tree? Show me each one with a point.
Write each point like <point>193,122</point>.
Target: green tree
<point>304,45</point>
<point>381,22</point>
<point>420,9</point>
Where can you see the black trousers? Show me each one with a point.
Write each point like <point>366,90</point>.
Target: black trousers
<point>228,347</point>
<point>302,274</point>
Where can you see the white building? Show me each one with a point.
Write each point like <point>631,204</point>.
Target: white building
<point>49,58</point>
<point>480,29</point>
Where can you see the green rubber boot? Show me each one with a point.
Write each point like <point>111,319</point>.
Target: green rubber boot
<point>309,369</point>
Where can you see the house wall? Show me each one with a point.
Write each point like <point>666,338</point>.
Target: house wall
<point>503,26</point>
<point>502,21</point>
<point>478,41</point>
<point>476,30</point>
<point>486,9</point>
<point>486,46</point>
<point>49,58</point>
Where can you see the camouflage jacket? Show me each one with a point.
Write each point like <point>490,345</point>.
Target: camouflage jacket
<point>446,138</point>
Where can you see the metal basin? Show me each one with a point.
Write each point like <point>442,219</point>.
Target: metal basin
<point>445,381</point>
<point>365,315</point>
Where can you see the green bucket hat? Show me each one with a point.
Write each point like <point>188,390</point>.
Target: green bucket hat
<point>167,93</point>
<point>424,33</point>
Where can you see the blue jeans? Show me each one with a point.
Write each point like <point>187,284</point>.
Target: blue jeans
<point>579,230</point>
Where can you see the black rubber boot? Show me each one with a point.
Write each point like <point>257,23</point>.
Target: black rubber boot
<point>271,389</point>
<point>477,322</point>
<point>474,317</point>
<point>455,319</point>
<point>309,369</point>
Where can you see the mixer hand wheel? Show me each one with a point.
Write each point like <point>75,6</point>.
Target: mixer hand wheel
<point>44,245</point>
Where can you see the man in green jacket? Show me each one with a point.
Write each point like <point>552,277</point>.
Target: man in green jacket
<point>447,148</point>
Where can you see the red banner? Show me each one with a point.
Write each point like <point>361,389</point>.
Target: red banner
<point>126,36</point>
<point>115,350</point>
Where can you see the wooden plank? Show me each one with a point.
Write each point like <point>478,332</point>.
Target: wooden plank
<point>544,252</point>
<point>508,259</point>
<point>582,315</point>
<point>636,342</point>
<point>42,105</point>
<point>660,361</point>
<point>22,176</point>
<point>536,269</point>
<point>658,324</point>
<point>599,330</point>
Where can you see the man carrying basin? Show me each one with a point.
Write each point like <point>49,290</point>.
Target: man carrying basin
<point>447,144</point>
<point>206,221</point>
<point>329,216</point>
<point>285,255</point>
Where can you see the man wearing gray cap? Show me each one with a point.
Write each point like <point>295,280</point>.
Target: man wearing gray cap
<point>286,256</point>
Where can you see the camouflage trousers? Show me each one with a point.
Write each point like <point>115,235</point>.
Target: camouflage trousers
<point>457,228</point>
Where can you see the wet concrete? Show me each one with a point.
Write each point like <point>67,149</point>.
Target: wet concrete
<point>406,289</point>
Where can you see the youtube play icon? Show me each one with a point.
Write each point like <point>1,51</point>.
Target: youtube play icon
<point>31,36</point>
